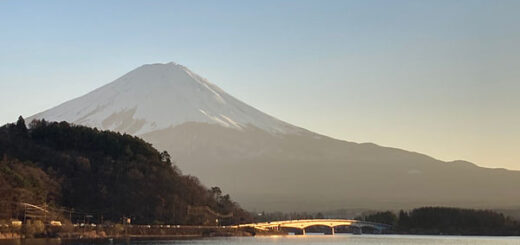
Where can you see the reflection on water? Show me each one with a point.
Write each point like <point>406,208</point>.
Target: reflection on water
<point>49,241</point>
<point>282,240</point>
<point>58,241</point>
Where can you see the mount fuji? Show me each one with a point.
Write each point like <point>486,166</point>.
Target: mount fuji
<point>160,96</point>
<point>268,164</point>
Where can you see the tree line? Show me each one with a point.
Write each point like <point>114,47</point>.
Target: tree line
<point>109,174</point>
<point>447,221</point>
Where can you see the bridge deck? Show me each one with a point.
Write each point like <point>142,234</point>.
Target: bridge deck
<point>302,224</point>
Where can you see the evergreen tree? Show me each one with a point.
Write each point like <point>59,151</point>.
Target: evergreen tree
<point>104,173</point>
<point>21,127</point>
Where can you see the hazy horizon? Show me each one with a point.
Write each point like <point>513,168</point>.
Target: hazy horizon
<point>439,77</point>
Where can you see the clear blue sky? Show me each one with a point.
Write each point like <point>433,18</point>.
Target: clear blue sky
<point>438,77</point>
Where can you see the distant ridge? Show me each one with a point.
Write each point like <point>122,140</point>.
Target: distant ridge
<point>268,164</point>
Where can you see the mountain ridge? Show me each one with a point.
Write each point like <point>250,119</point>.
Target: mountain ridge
<point>268,164</point>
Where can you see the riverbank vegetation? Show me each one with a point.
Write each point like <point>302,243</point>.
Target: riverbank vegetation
<point>102,176</point>
<point>447,221</point>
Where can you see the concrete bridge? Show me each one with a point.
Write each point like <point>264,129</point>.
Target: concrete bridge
<point>304,223</point>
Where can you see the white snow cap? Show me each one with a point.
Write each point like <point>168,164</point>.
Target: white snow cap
<point>158,96</point>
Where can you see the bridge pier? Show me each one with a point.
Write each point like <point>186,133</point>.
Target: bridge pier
<point>303,231</point>
<point>358,230</point>
<point>331,232</point>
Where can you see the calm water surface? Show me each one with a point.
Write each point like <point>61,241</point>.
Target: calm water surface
<point>294,240</point>
<point>345,239</point>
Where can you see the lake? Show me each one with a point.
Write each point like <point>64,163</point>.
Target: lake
<point>312,239</point>
<point>348,239</point>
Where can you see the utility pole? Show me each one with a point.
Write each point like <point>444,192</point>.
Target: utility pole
<point>45,212</point>
<point>25,213</point>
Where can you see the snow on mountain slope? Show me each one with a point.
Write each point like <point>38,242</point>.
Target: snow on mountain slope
<point>159,96</point>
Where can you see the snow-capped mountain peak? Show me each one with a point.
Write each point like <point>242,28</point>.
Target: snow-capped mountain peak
<point>158,96</point>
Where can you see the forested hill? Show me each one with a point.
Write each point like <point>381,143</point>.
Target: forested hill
<point>100,172</point>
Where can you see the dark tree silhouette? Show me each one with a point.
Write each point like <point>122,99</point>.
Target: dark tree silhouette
<point>105,173</point>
